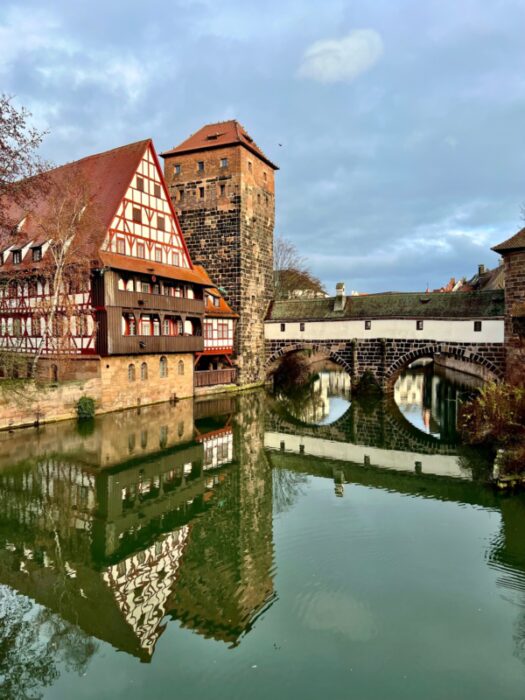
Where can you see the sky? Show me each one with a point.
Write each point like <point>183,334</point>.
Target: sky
<point>398,125</point>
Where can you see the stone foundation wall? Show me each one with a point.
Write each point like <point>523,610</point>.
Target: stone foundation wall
<point>23,403</point>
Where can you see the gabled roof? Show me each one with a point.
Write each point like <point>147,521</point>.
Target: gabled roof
<point>393,305</point>
<point>515,242</point>
<point>218,135</point>
<point>106,177</point>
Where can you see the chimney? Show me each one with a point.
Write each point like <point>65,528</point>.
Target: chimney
<point>481,269</point>
<point>340,298</point>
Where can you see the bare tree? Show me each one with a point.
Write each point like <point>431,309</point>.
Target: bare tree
<point>291,274</point>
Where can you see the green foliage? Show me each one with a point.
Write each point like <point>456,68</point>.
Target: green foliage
<point>293,371</point>
<point>496,417</point>
<point>368,385</point>
<point>85,408</point>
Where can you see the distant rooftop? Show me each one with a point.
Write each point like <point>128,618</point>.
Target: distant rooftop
<point>393,305</point>
<point>218,135</point>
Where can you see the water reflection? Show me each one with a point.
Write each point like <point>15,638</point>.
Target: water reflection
<point>168,515</point>
<point>323,400</point>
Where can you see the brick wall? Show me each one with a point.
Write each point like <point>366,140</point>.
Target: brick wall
<point>111,389</point>
<point>227,217</point>
<point>515,316</point>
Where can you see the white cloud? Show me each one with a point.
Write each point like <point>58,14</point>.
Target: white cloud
<point>342,60</point>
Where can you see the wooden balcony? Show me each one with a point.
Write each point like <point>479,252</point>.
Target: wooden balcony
<point>212,377</point>
<point>158,302</point>
<point>145,344</point>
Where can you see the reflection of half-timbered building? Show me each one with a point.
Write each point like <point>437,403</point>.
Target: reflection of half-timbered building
<point>135,320</point>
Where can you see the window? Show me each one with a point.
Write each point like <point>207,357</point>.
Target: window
<point>163,367</point>
<point>145,288</point>
<point>200,166</point>
<point>177,169</point>
<point>140,184</point>
<point>137,215</point>
<point>201,192</point>
<point>156,325</point>
<point>161,223</point>
<point>131,373</point>
<point>17,257</point>
<point>180,367</point>
<point>419,325</point>
<point>163,436</point>
<point>301,326</point>
<point>223,190</point>
<point>17,327</point>
<point>81,325</point>
<point>145,325</point>
<point>144,371</point>
<point>181,194</point>
<point>37,254</point>
<point>283,327</point>
<point>477,326</point>
<point>368,325</point>
<point>264,176</point>
<point>141,250</point>
<point>158,254</point>
<point>216,301</point>
<point>175,259</point>
<point>250,165</point>
<point>121,246</point>
<point>156,190</point>
<point>129,325</point>
<point>224,162</point>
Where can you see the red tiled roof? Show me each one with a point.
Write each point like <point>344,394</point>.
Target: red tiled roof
<point>105,175</point>
<point>224,309</point>
<point>148,267</point>
<point>229,133</point>
<point>515,242</point>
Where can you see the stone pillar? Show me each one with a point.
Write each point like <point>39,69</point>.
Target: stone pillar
<point>513,253</point>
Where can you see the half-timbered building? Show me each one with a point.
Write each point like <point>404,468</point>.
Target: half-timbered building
<point>135,318</point>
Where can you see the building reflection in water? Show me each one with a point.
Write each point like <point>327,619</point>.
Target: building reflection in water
<point>143,516</point>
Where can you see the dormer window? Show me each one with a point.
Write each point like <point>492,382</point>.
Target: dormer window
<point>216,301</point>
<point>17,257</point>
<point>37,254</point>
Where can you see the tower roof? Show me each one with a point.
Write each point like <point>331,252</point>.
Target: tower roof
<point>515,242</point>
<point>218,135</point>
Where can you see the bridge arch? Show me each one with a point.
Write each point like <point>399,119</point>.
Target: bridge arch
<point>329,353</point>
<point>464,355</point>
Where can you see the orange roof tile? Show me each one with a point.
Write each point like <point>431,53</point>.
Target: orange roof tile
<point>148,267</point>
<point>218,135</point>
<point>515,242</point>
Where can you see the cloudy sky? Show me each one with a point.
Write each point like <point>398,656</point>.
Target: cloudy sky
<point>398,125</point>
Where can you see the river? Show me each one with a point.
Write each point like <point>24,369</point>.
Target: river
<point>262,546</point>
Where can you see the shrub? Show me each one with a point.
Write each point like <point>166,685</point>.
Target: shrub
<point>496,415</point>
<point>86,408</point>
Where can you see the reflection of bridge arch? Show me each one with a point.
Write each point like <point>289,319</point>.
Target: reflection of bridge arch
<point>432,350</point>
<point>380,424</point>
<point>324,351</point>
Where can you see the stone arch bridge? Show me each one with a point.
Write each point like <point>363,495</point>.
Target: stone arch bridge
<point>384,333</point>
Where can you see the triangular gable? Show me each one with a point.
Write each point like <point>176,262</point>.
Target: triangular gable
<point>144,225</point>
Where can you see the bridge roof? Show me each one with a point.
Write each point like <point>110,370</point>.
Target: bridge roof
<point>466,305</point>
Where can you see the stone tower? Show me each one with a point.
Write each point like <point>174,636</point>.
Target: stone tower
<point>222,187</point>
<point>513,254</point>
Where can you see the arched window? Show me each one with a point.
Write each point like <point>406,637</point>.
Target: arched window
<point>163,367</point>
<point>131,373</point>
<point>144,371</point>
<point>181,367</point>
<point>121,284</point>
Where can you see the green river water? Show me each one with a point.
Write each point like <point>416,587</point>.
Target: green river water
<point>261,547</point>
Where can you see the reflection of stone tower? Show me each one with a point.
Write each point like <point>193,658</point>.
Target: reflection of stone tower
<point>222,186</point>
<point>513,253</point>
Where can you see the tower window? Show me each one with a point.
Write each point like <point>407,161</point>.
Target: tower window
<point>250,165</point>
<point>223,190</point>
<point>477,326</point>
<point>419,325</point>
<point>181,194</point>
<point>177,169</point>
<point>201,192</point>
<point>156,190</point>
<point>137,215</point>
<point>200,166</point>
<point>140,184</point>
<point>265,177</point>
<point>224,162</point>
